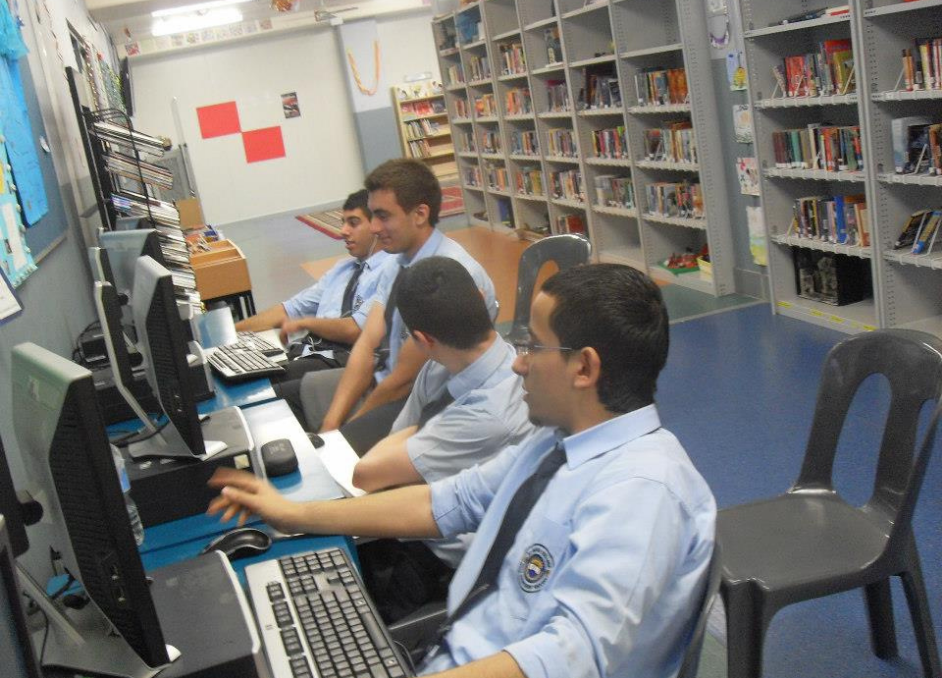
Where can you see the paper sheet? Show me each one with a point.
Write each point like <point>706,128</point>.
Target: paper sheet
<point>15,242</point>
<point>339,459</point>
<point>9,305</point>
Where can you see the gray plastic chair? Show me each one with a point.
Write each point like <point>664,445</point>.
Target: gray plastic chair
<point>809,543</point>
<point>691,663</point>
<point>565,250</point>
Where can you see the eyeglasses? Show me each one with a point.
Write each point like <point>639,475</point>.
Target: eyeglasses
<point>526,347</point>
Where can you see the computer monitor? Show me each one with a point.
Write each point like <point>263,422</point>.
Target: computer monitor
<point>124,248</point>
<point>162,341</point>
<point>62,436</point>
<point>16,650</point>
<point>108,307</point>
<point>10,507</point>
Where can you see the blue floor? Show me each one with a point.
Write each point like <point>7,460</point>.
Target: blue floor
<point>739,391</point>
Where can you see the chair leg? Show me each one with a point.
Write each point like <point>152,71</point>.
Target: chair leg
<point>915,589</point>
<point>745,632</point>
<point>882,627</point>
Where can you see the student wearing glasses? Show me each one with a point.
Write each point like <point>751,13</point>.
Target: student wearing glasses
<point>593,536</point>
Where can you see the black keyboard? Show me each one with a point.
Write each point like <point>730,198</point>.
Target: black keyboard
<point>316,619</point>
<point>259,343</point>
<point>238,363</point>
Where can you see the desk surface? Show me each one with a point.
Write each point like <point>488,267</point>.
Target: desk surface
<point>244,394</point>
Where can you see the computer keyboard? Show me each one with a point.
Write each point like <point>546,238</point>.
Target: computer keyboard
<point>238,363</point>
<point>259,343</point>
<point>316,619</point>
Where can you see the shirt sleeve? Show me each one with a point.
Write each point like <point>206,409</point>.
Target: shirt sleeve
<point>459,501</point>
<point>625,556</point>
<point>305,302</point>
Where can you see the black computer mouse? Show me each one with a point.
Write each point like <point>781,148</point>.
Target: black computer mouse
<point>278,458</point>
<point>316,440</point>
<point>240,543</point>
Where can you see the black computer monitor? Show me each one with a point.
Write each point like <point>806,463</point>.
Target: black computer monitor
<point>62,436</point>
<point>16,650</point>
<point>164,345</point>
<point>10,507</point>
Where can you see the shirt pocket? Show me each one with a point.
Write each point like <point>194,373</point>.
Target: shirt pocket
<point>540,549</point>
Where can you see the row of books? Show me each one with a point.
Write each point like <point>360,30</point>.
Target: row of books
<point>570,223</point>
<point>562,143</point>
<point>610,143</point>
<point>674,143</point>
<point>825,72</point>
<point>557,95</point>
<point>675,199</point>
<point>614,191</point>
<point>917,145</point>
<point>479,67</point>
<point>819,147</point>
<point>920,232</point>
<point>485,106</point>
<point>455,74</point>
<point>554,48</point>
<point>422,149</point>
<point>138,170</point>
<point>461,107</point>
<point>113,133</point>
<point>137,205</point>
<point>465,141</point>
<point>661,86</point>
<point>841,219</point>
<point>600,91</point>
<point>524,143</point>
<point>472,176</point>
<point>176,254</point>
<point>518,101</point>
<point>512,59</point>
<point>922,66</point>
<point>497,177</point>
<point>490,142</point>
<point>567,185</point>
<point>419,109</point>
<point>417,129</point>
<point>530,181</point>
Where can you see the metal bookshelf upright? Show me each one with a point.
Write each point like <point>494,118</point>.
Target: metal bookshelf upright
<point>513,184</point>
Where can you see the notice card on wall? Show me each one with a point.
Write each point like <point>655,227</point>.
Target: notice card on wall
<point>10,305</point>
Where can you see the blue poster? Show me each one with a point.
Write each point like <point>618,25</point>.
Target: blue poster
<point>15,130</point>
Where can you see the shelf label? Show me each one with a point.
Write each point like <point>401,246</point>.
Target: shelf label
<point>785,304</point>
<point>836,319</point>
<point>818,313</point>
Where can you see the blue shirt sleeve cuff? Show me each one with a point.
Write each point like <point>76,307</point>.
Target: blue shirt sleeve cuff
<point>540,656</point>
<point>446,510</point>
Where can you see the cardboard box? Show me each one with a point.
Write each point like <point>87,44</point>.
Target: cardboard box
<point>191,213</point>
<point>222,271</point>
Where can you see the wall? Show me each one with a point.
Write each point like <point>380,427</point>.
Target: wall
<point>408,46</point>
<point>322,160</point>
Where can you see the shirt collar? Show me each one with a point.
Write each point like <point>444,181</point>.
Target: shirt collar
<point>427,249</point>
<point>474,375</point>
<point>375,260</point>
<point>604,437</point>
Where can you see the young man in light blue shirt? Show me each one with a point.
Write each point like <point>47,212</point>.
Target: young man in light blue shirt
<point>334,309</point>
<point>602,572</point>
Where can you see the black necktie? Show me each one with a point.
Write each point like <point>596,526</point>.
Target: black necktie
<point>517,511</point>
<point>434,407</point>
<point>346,306</point>
<point>382,353</point>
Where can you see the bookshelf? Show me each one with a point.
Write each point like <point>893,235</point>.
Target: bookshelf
<point>572,131</point>
<point>423,126</point>
<point>901,289</point>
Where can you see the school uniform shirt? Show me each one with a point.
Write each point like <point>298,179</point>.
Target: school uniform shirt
<point>324,298</point>
<point>487,415</point>
<point>438,245</point>
<point>606,575</point>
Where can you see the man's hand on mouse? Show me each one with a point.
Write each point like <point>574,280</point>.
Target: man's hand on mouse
<point>243,494</point>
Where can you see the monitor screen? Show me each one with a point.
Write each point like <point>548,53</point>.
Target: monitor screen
<point>164,345</point>
<point>10,507</point>
<point>61,433</point>
<point>16,650</point>
<point>124,248</point>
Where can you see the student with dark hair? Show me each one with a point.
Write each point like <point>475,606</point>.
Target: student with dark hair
<point>593,536</point>
<point>466,405</point>
<point>334,309</point>
<point>405,198</point>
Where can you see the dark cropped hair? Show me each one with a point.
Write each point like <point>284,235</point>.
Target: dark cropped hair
<point>438,296</point>
<point>359,201</point>
<point>618,311</point>
<point>412,182</point>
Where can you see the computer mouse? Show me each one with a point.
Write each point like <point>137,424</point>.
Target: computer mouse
<point>316,440</point>
<point>240,543</point>
<point>278,458</point>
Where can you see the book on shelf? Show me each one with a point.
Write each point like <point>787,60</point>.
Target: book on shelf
<point>490,142</point>
<point>675,199</point>
<point>505,213</point>
<point>601,88</point>
<point>557,96</point>
<point>422,108</point>
<point>497,177</point>
<point>833,219</point>
<point>485,106</point>
<point>570,223</point>
<point>917,145</point>
<point>448,36</point>
<point>674,143</point>
<point>524,142</point>
<point>925,239</point>
<point>518,101</point>
<point>567,185</point>
<point>819,146</point>
<point>610,143</point>
<point>479,67</point>
<point>922,65</point>
<point>530,180</point>
<point>837,10</point>
<point>562,142</point>
<point>827,71</point>
<point>661,86</point>
<point>614,191</point>
<point>919,232</point>
<point>512,59</point>
<point>554,49</point>
<point>835,279</point>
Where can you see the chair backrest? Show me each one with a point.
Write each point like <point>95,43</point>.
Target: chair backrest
<point>565,250</point>
<point>688,669</point>
<point>911,361</point>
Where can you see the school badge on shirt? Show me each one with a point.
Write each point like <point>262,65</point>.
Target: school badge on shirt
<point>535,568</point>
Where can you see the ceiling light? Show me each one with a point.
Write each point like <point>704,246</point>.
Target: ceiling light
<point>197,8</point>
<point>183,23</point>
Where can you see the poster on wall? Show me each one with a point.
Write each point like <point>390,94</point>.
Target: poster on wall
<point>747,170</point>
<point>10,305</point>
<point>757,243</point>
<point>289,104</point>
<point>742,123</point>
